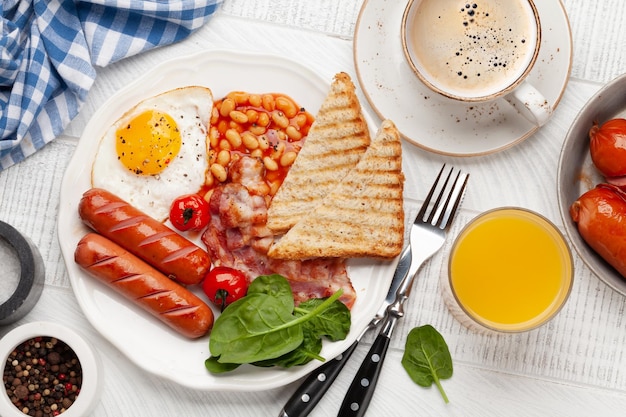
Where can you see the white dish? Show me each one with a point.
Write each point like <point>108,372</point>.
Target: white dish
<point>442,125</point>
<point>144,340</point>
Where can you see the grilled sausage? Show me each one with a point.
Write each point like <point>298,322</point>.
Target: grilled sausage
<point>145,237</point>
<point>600,214</point>
<point>131,277</point>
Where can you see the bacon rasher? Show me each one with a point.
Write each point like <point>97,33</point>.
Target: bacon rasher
<point>237,237</point>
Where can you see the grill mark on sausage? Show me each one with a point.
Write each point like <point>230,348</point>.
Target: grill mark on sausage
<point>181,311</point>
<point>181,253</point>
<point>109,207</point>
<point>128,223</point>
<point>156,237</point>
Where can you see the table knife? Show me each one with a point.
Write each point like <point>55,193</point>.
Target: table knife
<point>311,391</point>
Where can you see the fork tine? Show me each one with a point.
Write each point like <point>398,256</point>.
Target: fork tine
<point>422,212</point>
<point>443,212</point>
<point>438,210</point>
<point>455,196</point>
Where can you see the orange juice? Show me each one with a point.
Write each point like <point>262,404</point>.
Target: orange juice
<point>510,270</point>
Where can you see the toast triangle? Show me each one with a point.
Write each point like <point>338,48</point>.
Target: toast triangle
<point>335,143</point>
<point>364,214</point>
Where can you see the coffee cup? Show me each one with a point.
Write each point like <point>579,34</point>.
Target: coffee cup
<point>476,51</point>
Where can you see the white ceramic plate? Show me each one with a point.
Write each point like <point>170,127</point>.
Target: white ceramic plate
<point>576,173</point>
<point>147,342</point>
<point>442,125</point>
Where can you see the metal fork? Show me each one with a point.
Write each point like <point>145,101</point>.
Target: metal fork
<point>427,236</point>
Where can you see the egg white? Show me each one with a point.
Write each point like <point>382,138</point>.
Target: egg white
<point>191,108</point>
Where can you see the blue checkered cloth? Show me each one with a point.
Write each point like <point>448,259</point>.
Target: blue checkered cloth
<point>49,51</point>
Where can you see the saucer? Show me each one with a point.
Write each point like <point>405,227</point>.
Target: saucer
<point>442,125</point>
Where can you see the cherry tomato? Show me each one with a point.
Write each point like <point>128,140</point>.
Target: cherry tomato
<point>608,147</point>
<point>190,212</point>
<point>224,285</point>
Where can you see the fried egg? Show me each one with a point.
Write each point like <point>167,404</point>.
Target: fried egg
<point>157,150</point>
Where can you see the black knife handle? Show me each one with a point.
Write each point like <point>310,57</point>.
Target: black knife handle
<point>311,391</point>
<point>362,388</point>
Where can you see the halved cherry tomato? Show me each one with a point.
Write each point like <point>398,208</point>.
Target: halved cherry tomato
<point>224,285</point>
<point>190,212</point>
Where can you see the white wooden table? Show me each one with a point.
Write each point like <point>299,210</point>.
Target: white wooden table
<point>574,366</point>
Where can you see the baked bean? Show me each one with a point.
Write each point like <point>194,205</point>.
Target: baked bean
<point>278,150</point>
<point>214,137</point>
<point>268,101</point>
<point>222,126</point>
<point>293,133</point>
<point>252,115</point>
<point>258,129</point>
<point>236,126</point>
<point>287,106</point>
<point>207,196</point>
<point>219,172</point>
<point>300,119</point>
<point>257,153</point>
<point>263,120</point>
<point>233,137</point>
<point>209,180</point>
<point>228,105</point>
<point>262,189</point>
<point>288,158</point>
<point>212,156</point>
<point>280,119</point>
<point>238,116</point>
<point>235,157</point>
<point>270,164</point>
<point>223,157</point>
<point>270,127</point>
<point>264,143</point>
<point>225,144</point>
<point>255,100</point>
<point>215,114</point>
<point>249,140</point>
<point>240,97</point>
<point>274,185</point>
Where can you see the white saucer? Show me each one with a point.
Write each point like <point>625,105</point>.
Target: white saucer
<point>433,122</point>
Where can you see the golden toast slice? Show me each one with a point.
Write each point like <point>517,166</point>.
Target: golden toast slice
<point>335,143</point>
<point>363,216</point>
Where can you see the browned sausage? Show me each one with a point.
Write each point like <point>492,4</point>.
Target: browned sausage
<point>131,277</point>
<point>601,217</point>
<point>140,234</point>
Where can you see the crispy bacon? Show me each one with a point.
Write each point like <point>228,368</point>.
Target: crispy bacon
<point>237,237</point>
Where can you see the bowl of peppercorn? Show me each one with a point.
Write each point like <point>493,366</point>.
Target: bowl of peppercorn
<point>48,370</point>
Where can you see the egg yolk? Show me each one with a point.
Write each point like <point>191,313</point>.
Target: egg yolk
<point>148,143</point>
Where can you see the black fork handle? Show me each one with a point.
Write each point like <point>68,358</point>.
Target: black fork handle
<point>363,385</point>
<point>311,391</point>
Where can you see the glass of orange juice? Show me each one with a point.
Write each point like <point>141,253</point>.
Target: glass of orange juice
<point>510,270</point>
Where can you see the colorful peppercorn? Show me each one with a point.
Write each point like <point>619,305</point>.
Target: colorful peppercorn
<point>42,377</point>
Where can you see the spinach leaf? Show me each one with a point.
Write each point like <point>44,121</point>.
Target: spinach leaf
<point>333,323</point>
<point>216,367</point>
<point>264,328</point>
<point>274,285</point>
<point>426,358</point>
<point>254,328</point>
<point>308,350</point>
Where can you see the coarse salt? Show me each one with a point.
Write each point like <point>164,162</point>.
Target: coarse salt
<point>9,271</point>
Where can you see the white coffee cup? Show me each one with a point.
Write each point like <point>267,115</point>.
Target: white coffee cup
<point>476,51</point>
